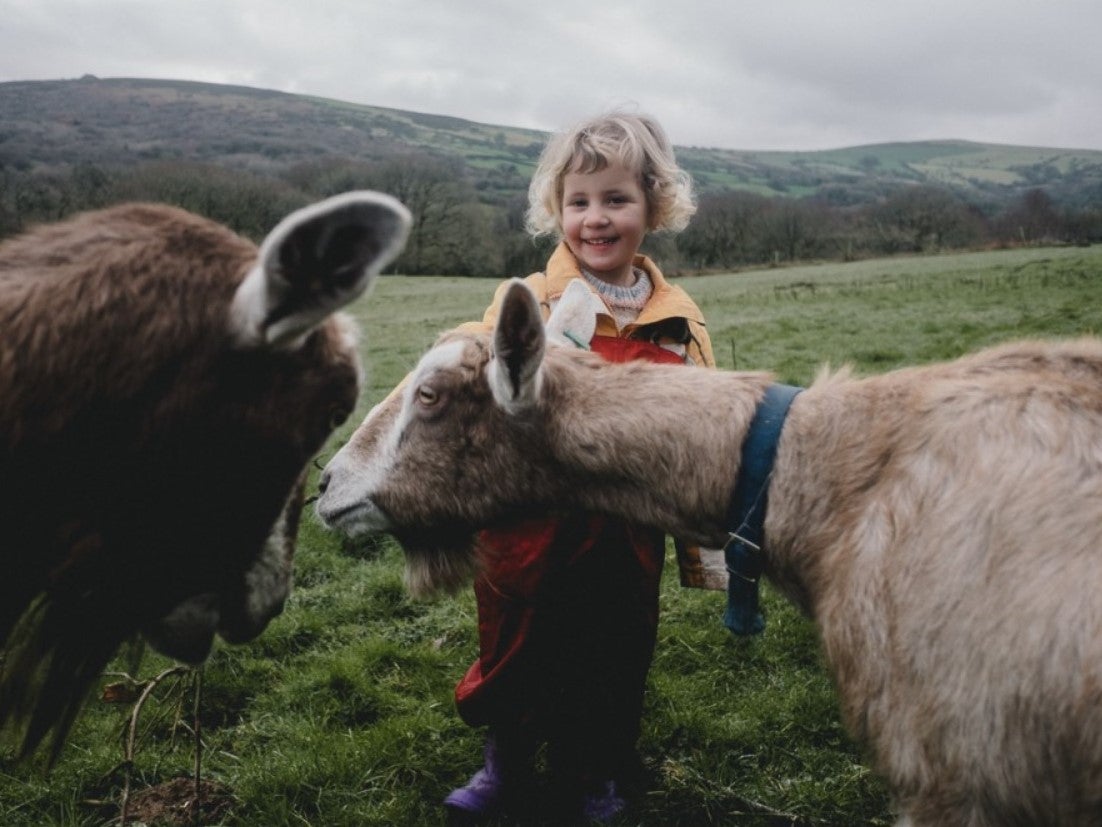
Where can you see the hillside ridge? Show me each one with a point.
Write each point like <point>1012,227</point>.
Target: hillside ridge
<point>111,122</point>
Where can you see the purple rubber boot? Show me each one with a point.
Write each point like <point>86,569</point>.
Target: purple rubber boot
<point>603,804</point>
<point>486,791</point>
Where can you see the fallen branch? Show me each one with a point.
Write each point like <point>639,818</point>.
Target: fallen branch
<point>131,738</point>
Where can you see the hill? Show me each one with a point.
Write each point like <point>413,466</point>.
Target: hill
<point>57,124</point>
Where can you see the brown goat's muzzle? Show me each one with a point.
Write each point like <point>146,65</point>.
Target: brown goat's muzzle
<point>242,609</point>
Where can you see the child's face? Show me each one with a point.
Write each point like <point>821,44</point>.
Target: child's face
<point>604,220</point>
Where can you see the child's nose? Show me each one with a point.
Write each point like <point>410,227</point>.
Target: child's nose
<point>595,216</point>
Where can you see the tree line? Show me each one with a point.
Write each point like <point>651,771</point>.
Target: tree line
<point>457,231</point>
<point>738,229</point>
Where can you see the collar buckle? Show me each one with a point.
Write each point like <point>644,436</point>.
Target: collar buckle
<point>735,537</point>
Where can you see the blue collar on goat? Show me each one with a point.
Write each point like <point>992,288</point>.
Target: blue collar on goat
<point>746,513</point>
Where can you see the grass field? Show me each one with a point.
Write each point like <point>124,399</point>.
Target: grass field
<point>341,713</point>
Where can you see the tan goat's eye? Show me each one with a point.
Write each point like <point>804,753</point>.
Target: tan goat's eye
<point>427,396</point>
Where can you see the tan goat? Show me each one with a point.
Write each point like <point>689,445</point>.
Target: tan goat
<point>163,384</point>
<point>941,524</point>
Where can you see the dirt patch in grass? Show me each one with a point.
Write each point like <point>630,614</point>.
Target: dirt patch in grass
<point>174,804</point>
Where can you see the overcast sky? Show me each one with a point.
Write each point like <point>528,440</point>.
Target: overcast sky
<point>738,74</point>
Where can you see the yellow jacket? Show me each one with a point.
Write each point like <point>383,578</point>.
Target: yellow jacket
<point>698,568</point>
<point>667,302</point>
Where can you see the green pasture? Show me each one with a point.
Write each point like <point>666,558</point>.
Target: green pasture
<point>341,713</point>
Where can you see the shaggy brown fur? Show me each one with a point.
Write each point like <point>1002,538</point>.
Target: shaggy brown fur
<point>941,524</point>
<point>155,421</point>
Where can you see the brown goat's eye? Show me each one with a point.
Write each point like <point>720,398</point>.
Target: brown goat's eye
<point>427,396</point>
<point>337,416</point>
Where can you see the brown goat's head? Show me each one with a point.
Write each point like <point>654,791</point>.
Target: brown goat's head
<point>436,460</point>
<point>163,385</point>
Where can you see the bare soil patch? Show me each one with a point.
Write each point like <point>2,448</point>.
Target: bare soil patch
<point>174,804</point>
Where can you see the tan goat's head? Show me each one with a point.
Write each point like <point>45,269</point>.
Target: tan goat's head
<point>163,386</point>
<point>437,459</point>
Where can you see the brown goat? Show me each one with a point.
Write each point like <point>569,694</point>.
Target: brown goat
<point>941,524</point>
<point>163,384</point>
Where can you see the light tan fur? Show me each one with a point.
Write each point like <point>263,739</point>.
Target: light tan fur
<point>941,524</point>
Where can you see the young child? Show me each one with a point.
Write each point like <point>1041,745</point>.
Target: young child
<point>568,605</point>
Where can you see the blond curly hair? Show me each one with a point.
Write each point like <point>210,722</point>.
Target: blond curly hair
<point>635,140</point>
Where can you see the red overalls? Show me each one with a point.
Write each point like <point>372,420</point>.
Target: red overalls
<point>567,621</point>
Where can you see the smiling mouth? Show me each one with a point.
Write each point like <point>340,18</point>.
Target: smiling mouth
<point>601,242</point>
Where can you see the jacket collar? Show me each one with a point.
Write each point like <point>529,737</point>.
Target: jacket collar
<point>746,512</point>
<point>667,302</point>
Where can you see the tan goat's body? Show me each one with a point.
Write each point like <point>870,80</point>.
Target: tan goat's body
<point>941,524</point>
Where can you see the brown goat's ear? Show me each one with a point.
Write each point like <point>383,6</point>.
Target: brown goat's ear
<point>314,262</point>
<point>519,342</point>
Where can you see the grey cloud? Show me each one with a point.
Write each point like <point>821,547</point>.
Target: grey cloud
<point>791,74</point>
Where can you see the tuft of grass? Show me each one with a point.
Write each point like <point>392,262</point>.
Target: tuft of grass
<point>341,713</point>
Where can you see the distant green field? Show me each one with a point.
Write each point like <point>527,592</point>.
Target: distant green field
<point>341,713</point>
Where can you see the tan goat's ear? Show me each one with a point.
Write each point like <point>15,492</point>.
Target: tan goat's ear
<point>314,262</point>
<point>519,343</point>
<point>573,321</point>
